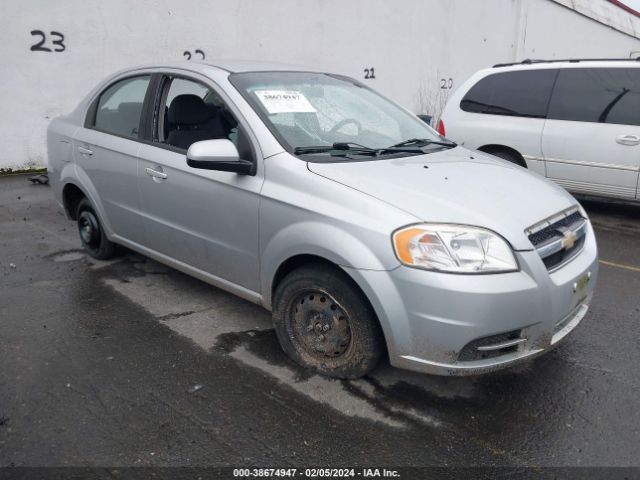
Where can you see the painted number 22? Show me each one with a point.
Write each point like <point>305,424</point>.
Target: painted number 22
<point>187,54</point>
<point>58,42</point>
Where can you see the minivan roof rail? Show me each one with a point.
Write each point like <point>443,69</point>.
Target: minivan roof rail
<point>530,61</point>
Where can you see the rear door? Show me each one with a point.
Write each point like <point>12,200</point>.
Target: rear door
<point>591,139</point>
<point>204,218</point>
<point>106,151</point>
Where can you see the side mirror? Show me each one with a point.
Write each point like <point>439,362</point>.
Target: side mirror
<point>219,155</point>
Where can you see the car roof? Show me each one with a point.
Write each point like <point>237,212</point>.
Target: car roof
<point>569,63</point>
<point>236,66</point>
<point>231,66</point>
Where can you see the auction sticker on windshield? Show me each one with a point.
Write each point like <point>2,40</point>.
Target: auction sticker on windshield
<point>284,101</point>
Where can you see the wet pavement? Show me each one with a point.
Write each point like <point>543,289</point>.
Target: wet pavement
<point>130,363</point>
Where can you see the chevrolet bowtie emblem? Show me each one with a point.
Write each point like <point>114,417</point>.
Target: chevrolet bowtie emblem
<point>568,239</point>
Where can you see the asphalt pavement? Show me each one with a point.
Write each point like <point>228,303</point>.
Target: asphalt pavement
<point>131,363</point>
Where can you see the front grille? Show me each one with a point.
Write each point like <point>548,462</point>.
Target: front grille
<point>471,352</point>
<point>558,258</point>
<point>559,238</point>
<point>551,232</point>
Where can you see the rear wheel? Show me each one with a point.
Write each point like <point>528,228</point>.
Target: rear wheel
<point>92,235</point>
<point>324,323</point>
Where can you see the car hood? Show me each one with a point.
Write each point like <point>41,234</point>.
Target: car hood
<point>456,186</point>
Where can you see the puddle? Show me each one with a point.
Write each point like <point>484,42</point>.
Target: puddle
<point>327,391</point>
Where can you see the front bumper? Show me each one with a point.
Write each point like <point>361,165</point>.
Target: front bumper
<point>434,322</point>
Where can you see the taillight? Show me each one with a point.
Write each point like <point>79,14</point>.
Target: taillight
<point>441,129</point>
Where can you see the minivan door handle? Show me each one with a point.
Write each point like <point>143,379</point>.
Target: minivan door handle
<point>628,140</point>
<point>155,173</point>
<point>85,151</point>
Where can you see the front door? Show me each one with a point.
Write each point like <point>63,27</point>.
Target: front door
<point>205,219</point>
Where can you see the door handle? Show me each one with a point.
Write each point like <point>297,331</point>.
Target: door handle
<point>85,151</point>
<point>628,140</point>
<point>155,173</point>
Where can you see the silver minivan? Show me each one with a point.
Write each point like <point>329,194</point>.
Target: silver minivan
<point>364,232</point>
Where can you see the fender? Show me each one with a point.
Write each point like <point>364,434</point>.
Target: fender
<point>74,175</point>
<point>319,239</point>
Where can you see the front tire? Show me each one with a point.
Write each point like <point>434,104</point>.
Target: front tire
<point>92,235</point>
<point>324,323</point>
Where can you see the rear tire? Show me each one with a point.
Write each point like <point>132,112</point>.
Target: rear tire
<point>324,323</point>
<point>92,235</point>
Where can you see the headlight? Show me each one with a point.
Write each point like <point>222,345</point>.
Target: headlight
<point>453,248</point>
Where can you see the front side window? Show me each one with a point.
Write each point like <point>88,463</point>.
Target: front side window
<point>305,109</point>
<point>599,95</point>
<point>120,107</point>
<point>191,112</point>
<point>520,94</point>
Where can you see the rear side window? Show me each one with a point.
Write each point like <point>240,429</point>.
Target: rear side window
<point>599,95</point>
<point>120,106</point>
<point>518,94</point>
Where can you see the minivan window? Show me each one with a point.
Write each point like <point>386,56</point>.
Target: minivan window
<point>520,94</point>
<point>599,95</point>
<point>120,106</point>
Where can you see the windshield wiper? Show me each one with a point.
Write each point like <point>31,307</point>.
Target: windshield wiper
<point>418,143</point>
<point>342,149</point>
<point>337,149</point>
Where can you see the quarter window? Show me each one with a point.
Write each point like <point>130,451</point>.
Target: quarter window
<point>120,107</point>
<point>598,95</point>
<point>519,94</point>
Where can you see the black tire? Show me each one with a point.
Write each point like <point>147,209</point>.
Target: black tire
<point>508,156</point>
<point>92,235</point>
<point>336,333</point>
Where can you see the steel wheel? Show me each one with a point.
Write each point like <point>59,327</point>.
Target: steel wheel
<point>320,324</point>
<point>325,323</point>
<point>92,235</point>
<point>89,229</point>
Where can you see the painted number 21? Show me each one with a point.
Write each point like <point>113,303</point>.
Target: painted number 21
<point>369,73</point>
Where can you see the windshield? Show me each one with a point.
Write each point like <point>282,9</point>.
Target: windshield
<point>315,109</point>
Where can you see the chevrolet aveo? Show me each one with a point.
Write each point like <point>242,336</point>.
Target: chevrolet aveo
<point>364,232</point>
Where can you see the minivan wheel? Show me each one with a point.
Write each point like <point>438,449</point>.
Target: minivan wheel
<point>325,324</point>
<point>92,235</point>
<point>508,156</point>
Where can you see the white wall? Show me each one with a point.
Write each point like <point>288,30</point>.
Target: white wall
<point>411,44</point>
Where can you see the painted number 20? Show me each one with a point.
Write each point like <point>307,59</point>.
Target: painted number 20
<point>446,83</point>
<point>58,42</point>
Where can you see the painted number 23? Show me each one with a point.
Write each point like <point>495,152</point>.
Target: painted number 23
<point>58,42</point>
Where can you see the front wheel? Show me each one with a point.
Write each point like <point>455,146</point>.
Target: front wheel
<point>324,323</point>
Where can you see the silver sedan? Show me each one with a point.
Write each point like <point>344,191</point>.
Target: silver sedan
<point>364,232</point>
